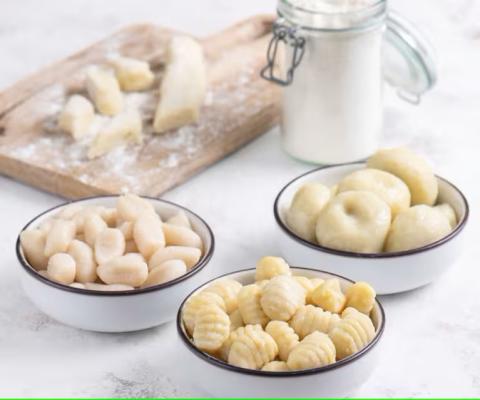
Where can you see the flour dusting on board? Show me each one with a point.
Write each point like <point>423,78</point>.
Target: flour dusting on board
<point>161,160</point>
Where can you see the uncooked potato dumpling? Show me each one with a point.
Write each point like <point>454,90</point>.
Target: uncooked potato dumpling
<point>388,187</point>
<point>354,221</point>
<point>33,245</point>
<point>77,116</point>
<point>449,212</point>
<point>61,268</point>
<point>416,227</point>
<point>104,90</point>
<point>132,74</point>
<point>410,168</point>
<point>306,205</point>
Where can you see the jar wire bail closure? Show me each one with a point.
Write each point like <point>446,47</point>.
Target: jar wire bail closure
<point>288,36</point>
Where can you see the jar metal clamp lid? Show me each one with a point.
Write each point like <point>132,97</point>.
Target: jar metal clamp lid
<point>408,57</point>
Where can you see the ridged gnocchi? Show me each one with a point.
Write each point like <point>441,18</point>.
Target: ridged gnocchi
<point>314,351</point>
<point>284,336</point>
<point>250,307</point>
<point>273,329</point>
<point>329,296</point>
<point>309,319</point>
<point>212,328</point>
<point>114,248</point>
<point>281,297</point>
<point>268,267</point>
<point>252,348</point>
<point>352,333</point>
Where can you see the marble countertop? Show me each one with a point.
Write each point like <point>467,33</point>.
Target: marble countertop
<point>432,343</point>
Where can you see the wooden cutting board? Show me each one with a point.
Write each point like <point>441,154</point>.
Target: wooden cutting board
<point>239,107</point>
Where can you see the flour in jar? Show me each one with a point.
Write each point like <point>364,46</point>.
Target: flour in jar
<point>332,110</point>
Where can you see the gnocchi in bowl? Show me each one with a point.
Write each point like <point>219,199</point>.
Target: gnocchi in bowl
<point>372,228</point>
<point>278,337</point>
<point>113,263</point>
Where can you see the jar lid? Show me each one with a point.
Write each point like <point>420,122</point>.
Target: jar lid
<point>409,59</point>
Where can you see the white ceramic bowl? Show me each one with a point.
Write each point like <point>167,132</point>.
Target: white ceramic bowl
<point>121,311</point>
<point>387,272</point>
<point>340,379</point>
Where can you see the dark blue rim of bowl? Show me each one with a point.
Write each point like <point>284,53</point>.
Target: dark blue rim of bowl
<point>194,270</point>
<point>269,374</point>
<point>460,225</point>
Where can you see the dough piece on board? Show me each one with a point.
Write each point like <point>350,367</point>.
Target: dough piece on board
<point>104,90</point>
<point>183,87</point>
<point>123,128</point>
<point>77,116</point>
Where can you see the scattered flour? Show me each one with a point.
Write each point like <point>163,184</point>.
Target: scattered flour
<point>137,167</point>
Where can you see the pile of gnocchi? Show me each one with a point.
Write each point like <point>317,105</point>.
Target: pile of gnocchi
<point>280,322</point>
<point>389,206</point>
<point>183,88</point>
<point>110,249</point>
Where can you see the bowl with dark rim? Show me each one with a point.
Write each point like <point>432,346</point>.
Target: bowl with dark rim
<point>342,378</point>
<point>388,273</point>
<point>114,311</point>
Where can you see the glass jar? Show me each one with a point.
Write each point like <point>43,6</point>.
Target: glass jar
<point>332,69</point>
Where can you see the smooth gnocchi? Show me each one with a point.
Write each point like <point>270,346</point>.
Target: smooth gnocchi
<point>269,326</point>
<point>117,248</point>
<point>375,209</point>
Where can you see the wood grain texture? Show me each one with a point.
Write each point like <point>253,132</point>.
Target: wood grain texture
<point>239,107</point>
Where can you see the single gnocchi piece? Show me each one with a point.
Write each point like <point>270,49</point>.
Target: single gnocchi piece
<point>306,205</point>
<point>165,272</point>
<point>77,116</point>
<point>284,336</point>
<point>314,351</point>
<point>212,328</point>
<point>104,90</point>
<point>59,237</point>
<point>124,128</point>
<point>131,206</point>
<point>416,227</point>
<point>180,219</point>
<point>250,307</point>
<point>252,348</point>
<point>388,187</point>
<point>276,366</point>
<point>33,245</point>
<point>61,268</point>
<point>355,221</point>
<point>183,86</point>
<point>180,236</point>
<point>195,303</point>
<point>86,268</point>
<point>282,297</point>
<point>352,333</point>
<point>148,233</point>
<point>361,296</point>
<point>268,267</point>
<point>329,296</point>
<point>129,269</point>
<point>109,244</point>
<point>236,320</point>
<point>93,226</point>
<point>228,290</point>
<point>132,74</point>
<point>410,168</point>
<point>309,319</point>
<point>189,255</point>
<point>449,212</point>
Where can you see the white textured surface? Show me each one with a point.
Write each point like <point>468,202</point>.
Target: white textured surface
<point>432,342</point>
